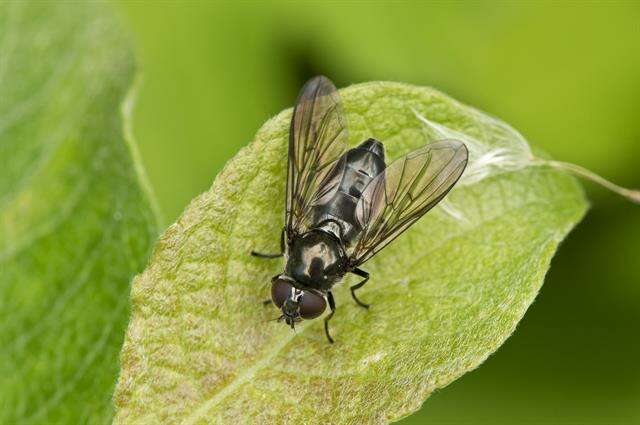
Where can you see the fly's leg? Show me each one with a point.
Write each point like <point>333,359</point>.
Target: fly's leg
<point>262,255</point>
<point>332,306</point>
<point>266,302</point>
<point>364,274</point>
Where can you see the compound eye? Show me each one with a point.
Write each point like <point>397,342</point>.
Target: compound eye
<point>311,305</point>
<point>280,291</point>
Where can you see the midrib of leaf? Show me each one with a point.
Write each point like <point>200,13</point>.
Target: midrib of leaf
<point>244,377</point>
<point>265,360</point>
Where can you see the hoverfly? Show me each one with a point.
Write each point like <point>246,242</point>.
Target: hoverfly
<point>344,207</point>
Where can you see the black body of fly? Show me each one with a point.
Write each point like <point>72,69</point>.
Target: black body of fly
<point>344,207</point>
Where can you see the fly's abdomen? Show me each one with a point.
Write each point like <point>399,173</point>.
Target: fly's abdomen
<point>361,165</point>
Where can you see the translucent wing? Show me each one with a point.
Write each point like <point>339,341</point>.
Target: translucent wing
<point>317,138</point>
<point>404,192</point>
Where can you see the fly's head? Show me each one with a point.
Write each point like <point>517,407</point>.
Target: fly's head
<point>296,304</point>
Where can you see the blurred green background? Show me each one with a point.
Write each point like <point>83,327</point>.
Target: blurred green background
<point>567,76</point>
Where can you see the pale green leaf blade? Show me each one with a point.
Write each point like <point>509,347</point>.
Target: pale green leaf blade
<point>75,223</point>
<point>445,295</point>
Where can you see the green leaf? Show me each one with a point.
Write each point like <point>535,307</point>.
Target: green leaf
<point>200,347</point>
<point>75,222</point>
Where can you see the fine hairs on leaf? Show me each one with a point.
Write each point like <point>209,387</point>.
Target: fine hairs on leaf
<point>201,348</point>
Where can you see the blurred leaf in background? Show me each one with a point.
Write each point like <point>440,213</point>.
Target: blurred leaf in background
<point>75,222</point>
<point>566,76</point>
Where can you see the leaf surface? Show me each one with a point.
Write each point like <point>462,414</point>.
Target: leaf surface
<point>200,347</point>
<point>75,222</point>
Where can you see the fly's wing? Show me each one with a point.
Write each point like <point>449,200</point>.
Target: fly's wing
<point>404,192</point>
<point>317,138</point>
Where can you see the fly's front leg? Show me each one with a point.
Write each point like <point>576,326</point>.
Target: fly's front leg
<point>261,255</point>
<point>364,274</point>
<point>332,306</point>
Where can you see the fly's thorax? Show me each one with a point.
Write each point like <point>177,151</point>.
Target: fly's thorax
<point>316,259</point>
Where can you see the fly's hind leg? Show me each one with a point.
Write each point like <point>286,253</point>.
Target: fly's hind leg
<point>262,255</point>
<point>364,274</point>
<point>332,306</point>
